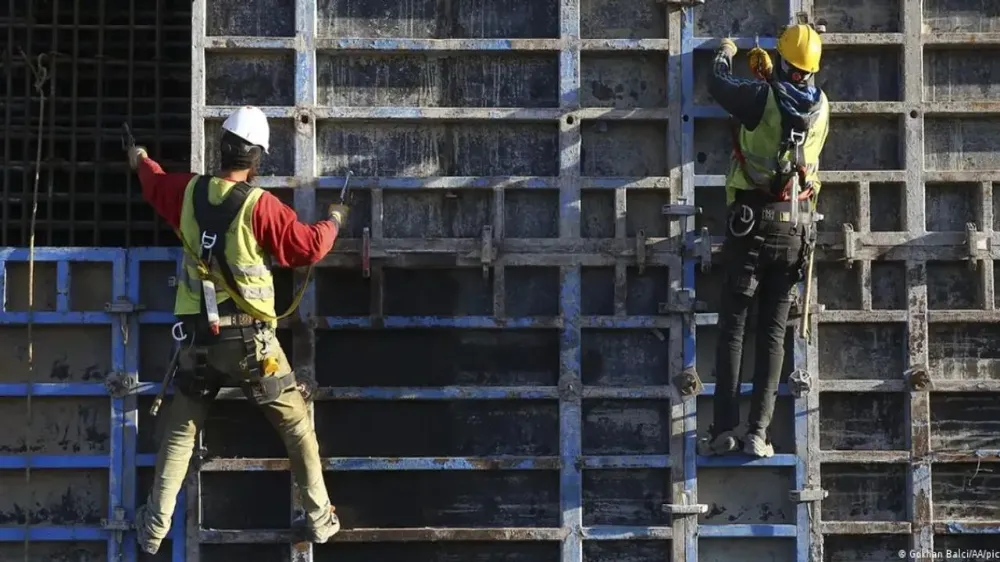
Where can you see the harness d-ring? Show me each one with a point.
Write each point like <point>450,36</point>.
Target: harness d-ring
<point>746,217</point>
<point>177,331</point>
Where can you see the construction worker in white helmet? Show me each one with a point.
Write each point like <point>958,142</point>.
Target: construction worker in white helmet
<point>780,124</point>
<point>225,304</point>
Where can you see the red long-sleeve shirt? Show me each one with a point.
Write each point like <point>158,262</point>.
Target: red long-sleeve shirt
<point>275,226</point>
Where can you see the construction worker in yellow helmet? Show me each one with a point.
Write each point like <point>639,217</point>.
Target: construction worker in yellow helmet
<point>780,122</point>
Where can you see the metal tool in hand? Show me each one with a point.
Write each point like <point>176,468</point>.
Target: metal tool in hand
<point>345,192</point>
<point>177,332</point>
<point>128,141</point>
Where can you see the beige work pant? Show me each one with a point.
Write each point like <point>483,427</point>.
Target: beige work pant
<point>185,417</point>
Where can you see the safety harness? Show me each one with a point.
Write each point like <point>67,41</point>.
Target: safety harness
<point>776,201</point>
<point>253,324</point>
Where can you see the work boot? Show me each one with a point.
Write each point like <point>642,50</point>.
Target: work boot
<point>757,446</point>
<point>147,543</point>
<point>319,534</point>
<point>722,444</point>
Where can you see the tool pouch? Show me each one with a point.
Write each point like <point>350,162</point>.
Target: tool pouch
<point>264,390</point>
<point>194,378</point>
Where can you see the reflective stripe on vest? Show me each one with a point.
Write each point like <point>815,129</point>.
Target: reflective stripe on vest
<point>247,261</point>
<point>760,147</point>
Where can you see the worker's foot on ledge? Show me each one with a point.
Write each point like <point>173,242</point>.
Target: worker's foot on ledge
<point>757,446</point>
<point>319,534</point>
<point>147,543</point>
<point>721,444</point>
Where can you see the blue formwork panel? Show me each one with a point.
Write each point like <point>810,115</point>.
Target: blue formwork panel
<point>63,458</point>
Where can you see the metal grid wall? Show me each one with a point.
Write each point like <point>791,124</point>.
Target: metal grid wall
<point>592,463</point>
<point>105,62</point>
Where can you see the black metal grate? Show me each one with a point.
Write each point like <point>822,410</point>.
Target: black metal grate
<point>108,61</point>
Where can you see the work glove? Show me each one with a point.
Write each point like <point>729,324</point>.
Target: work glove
<point>136,154</point>
<point>760,63</point>
<point>728,47</point>
<point>337,212</point>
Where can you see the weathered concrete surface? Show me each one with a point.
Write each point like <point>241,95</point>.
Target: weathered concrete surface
<point>410,149</point>
<point>602,141</point>
<point>54,497</point>
<point>632,427</point>
<point>959,143</point>
<point>509,19</point>
<point>622,19</point>
<point>965,492</point>
<point>442,429</point>
<point>944,16</point>
<point>950,287</point>
<point>437,357</point>
<point>887,207</point>
<point>455,552</point>
<point>870,421</point>
<point>963,422</point>
<point>623,81</point>
<point>250,79</point>
<point>864,493</point>
<point>858,16</point>
<point>731,501</point>
<point>861,548</point>
<point>964,351</point>
<point>61,353</point>
<point>438,80</point>
<point>740,19</point>
<point>61,426</point>
<point>748,550</point>
<point>623,358</point>
<point>861,74</point>
<point>861,351</point>
<point>260,18</point>
<point>625,497</point>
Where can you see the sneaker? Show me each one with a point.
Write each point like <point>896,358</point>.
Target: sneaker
<point>321,534</point>
<point>722,444</point>
<point>147,543</point>
<point>758,446</point>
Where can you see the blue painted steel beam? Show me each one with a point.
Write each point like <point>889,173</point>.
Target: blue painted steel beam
<point>55,253</point>
<point>49,317</point>
<point>749,531</point>
<point>53,389</point>
<point>54,533</point>
<point>626,533</point>
<point>19,462</point>
<point>116,473</point>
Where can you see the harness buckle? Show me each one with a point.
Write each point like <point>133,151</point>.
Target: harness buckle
<point>797,138</point>
<point>208,240</point>
<point>745,216</point>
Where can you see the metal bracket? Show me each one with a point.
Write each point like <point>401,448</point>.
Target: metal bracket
<point>681,301</point>
<point>688,384</point>
<point>488,253</point>
<point>977,245</point>
<point>685,509</point>
<point>808,495</point>
<point>117,523</point>
<point>366,252</point>
<point>123,306</point>
<point>640,250</point>
<point>850,246</point>
<point>919,379</point>
<point>121,384</point>
<point>803,18</point>
<point>702,249</point>
<point>680,211</point>
<point>799,382</point>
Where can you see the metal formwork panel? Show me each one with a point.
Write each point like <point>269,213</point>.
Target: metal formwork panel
<point>64,447</point>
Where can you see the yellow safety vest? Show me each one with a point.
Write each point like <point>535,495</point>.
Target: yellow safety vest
<point>247,261</point>
<point>760,150</point>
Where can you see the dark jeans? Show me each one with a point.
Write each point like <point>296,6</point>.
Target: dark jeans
<point>772,276</point>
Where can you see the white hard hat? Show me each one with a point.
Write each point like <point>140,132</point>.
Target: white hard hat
<point>250,124</point>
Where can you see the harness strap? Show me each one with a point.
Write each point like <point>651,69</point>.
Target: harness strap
<point>751,177</point>
<point>206,272</point>
<point>214,221</point>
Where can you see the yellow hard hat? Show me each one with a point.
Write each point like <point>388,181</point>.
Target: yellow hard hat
<point>801,47</point>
